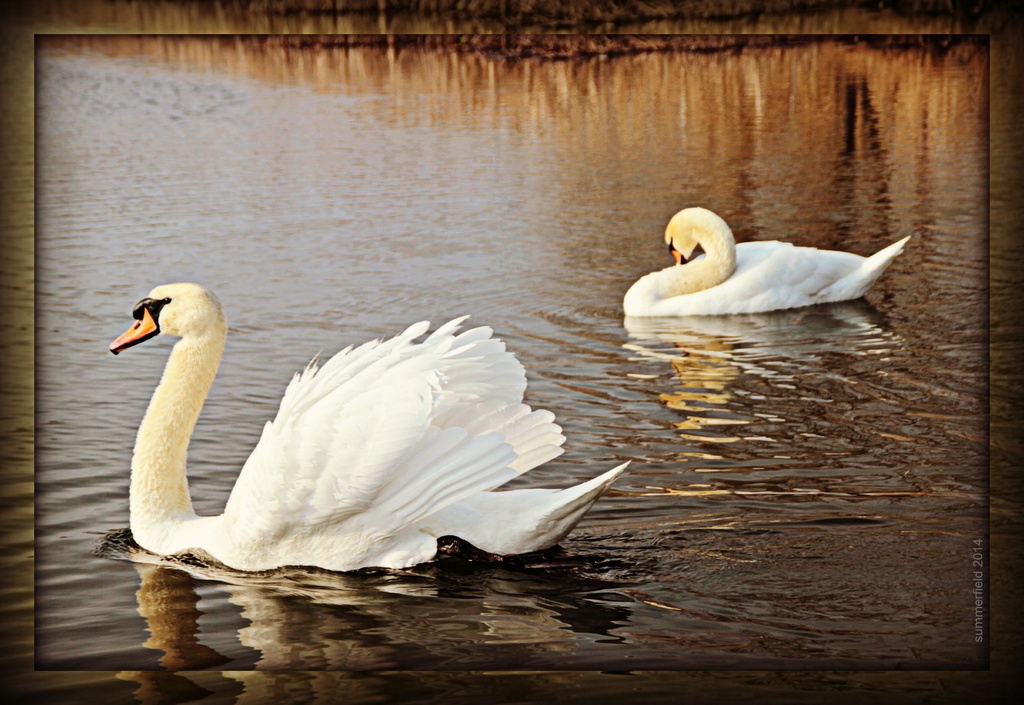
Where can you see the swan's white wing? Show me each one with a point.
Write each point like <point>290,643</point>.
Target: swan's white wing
<point>769,275</point>
<point>780,272</point>
<point>389,432</point>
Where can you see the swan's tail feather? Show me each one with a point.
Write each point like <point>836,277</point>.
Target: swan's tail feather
<point>574,502</point>
<point>555,515</point>
<point>856,283</point>
<point>520,521</point>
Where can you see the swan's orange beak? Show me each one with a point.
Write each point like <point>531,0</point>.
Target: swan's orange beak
<point>144,329</point>
<point>675,253</point>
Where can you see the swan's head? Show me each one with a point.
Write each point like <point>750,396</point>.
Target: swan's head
<point>172,309</point>
<point>693,227</point>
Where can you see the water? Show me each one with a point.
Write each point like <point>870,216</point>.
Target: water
<point>807,486</point>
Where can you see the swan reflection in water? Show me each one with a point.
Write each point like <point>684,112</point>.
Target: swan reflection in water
<point>854,327</point>
<point>447,614</point>
<point>747,370</point>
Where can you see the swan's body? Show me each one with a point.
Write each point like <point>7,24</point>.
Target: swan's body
<point>751,277</point>
<point>371,458</point>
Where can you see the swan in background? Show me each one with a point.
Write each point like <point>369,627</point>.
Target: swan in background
<point>371,459</point>
<point>748,278</point>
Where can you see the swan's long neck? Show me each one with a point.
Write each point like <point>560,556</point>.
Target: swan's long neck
<point>159,487</point>
<point>715,267</point>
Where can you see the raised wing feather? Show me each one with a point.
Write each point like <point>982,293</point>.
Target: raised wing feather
<point>398,428</point>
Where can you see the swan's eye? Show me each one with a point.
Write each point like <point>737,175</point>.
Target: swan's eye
<point>152,305</point>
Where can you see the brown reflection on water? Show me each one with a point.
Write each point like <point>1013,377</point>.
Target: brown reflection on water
<point>704,367</point>
<point>168,603</point>
<point>766,391</point>
<point>744,86</point>
<point>437,617</point>
<point>243,16</point>
<point>811,143</point>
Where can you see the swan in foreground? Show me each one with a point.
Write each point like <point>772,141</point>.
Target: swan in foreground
<point>372,458</point>
<point>751,277</point>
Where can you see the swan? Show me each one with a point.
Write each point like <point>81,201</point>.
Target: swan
<point>751,277</point>
<point>372,457</point>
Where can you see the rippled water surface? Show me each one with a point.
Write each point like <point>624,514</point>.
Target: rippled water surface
<point>807,487</point>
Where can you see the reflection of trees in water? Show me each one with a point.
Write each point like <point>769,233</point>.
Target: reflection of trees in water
<point>732,129</point>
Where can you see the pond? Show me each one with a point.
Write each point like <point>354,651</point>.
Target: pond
<point>806,487</point>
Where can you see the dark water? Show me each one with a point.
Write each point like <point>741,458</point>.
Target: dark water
<point>808,487</point>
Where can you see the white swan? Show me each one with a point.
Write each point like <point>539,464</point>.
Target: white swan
<point>371,459</point>
<point>748,278</point>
